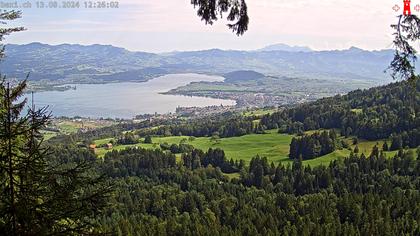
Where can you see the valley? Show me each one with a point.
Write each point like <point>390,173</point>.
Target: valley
<point>128,118</point>
<point>189,140</point>
<point>268,132</point>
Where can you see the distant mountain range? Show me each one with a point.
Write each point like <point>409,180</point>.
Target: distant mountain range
<point>286,48</point>
<point>98,63</point>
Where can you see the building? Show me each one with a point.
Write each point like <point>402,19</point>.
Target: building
<point>93,147</point>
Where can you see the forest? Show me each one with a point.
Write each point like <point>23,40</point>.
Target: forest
<point>312,146</point>
<point>155,195</point>
<point>372,114</point>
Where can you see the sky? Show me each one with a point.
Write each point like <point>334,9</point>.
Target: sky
<point>172,25</point>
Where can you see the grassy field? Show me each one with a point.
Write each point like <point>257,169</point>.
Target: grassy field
<point>72,126</point>
<point>233,175</point>
<point>272,145</point>
<point>260,112</point>
<point>357,111</point>
<point>69,126</point>
<point>48,134</point>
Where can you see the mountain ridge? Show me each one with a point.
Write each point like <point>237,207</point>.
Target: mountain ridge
<point>201,50</point>
<point>84,63</point>
<point>285,47</point>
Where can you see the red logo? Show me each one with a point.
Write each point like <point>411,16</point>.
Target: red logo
<point>407,7</point>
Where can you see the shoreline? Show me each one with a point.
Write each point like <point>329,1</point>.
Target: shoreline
<point>144,99</point>
<point>47,86</point>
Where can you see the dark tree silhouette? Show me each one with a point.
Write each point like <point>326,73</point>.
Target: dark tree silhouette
<point>407,31</point>
<point>211,10</point>
<point>6,16</point>
<point>7,181</point>
<point>40,195</point>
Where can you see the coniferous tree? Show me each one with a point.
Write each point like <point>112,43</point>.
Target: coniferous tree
<point>6,16</point>
<point>8,203</point>
<point>385,147</point>
<point>312,146</point>
<point>355,141</point>
<point>375,151</point>
<point>294,146</point>
<point>356,149</point>
<point>148,139</point>
<point>407,31</point>
<point>396,142</point>
<point>40,196</point>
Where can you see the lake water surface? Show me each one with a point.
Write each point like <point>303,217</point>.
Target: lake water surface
<point>125,100</point>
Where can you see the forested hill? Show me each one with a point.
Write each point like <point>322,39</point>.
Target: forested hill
<point>243,75</point>
<point>371,114</point>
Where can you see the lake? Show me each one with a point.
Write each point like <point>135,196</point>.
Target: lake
<point>126,100</point>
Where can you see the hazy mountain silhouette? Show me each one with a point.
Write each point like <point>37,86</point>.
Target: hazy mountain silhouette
<point>77,62</point>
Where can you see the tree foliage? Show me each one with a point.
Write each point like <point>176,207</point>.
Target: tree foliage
<point>40,195</point>
<point>237,13</point>
<point>314,145</point>
<point>355,196</point>
<point>407,31</point>
<point>5,17</point>
<point>371,114</point>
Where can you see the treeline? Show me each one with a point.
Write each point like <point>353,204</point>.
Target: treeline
<point>405,139</point>
<point>136,161</point>
<point>357,173</point>
<point>370,114</point>
<point>177,148</point>
<point>224,125</point>
<point>139,161</point>
<point>314,145</point>
<point>354,196</point>
<point>227,125</point>
<point>214,157</point>
<point>128,138</point>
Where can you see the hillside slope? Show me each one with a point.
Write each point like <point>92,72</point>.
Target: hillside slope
<point>371,114</point>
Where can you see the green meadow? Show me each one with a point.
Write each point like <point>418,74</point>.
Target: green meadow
<point>260,112</point>
<point>272,145</point>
